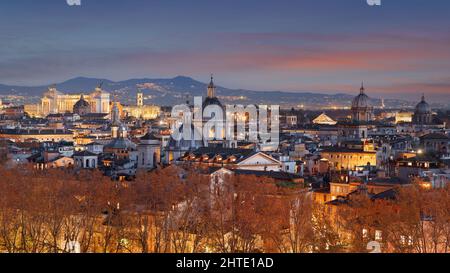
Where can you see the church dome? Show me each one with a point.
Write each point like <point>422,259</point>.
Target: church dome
<point>82,107</point>
<point>150,138</point>
<point>82,103</point>
<point>361,101</point>
<point>362,111</point>
<point>423,107</point>
<point>121,144</point>
<point>212,101</point>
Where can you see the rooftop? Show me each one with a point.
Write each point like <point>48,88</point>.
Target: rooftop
<point>84,153</point>
<point>435,136</point>
<point>346,150</point>
<point>34,132</point>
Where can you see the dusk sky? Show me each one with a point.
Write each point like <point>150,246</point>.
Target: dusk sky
<point>401,49</point>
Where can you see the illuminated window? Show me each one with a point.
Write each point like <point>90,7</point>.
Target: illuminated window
<point>378,235</point>
<point>365,233</point>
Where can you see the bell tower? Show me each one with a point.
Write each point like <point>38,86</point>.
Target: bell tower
<point>140,99</point>
<point>211,88</point>
<point>115,121</point>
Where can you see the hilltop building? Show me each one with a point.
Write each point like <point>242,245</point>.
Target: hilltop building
<point>142,111</point>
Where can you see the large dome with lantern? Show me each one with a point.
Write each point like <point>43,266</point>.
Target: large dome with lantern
<point>423,113</point>
<point>423,107</point>
<point>362,111</point>
<point>362,100</point>
<point>211,98</point>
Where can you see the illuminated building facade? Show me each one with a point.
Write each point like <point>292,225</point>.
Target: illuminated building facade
<point>349,157</point>
<point>142,111</point>
<point>37,135</point>
<point>54,102</point>
<point>323,119</point>
<point>403,117</point>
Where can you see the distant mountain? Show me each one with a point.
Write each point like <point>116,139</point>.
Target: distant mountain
<point>82,83</point>
<point>181,89</point>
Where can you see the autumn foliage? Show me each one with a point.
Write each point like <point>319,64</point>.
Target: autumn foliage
<point>179,210</point>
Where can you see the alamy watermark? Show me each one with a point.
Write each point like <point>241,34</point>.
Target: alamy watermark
<point>257,124</point>
<point>374,2</point>
<point>78,2</point>
<point>374,246</point>
<point>73,2</point>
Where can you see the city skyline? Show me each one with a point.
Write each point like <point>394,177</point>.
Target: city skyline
<point>232,127</point>
<point>397,49</point>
